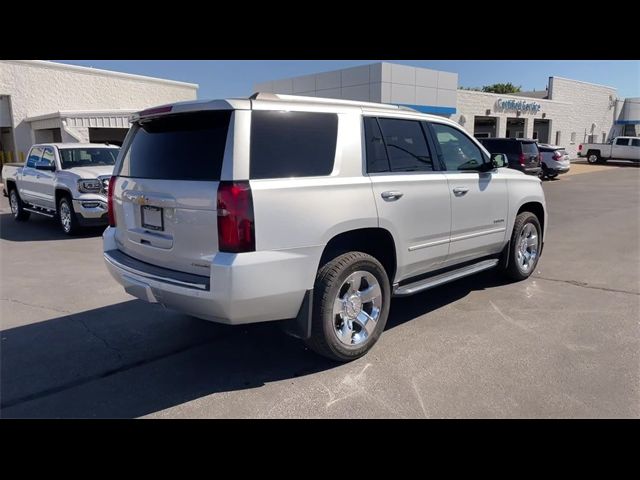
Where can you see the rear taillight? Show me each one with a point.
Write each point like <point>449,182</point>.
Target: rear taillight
<point>521,159</point>
<point>557,155</point>
<point>235,218</point>
<point>579,147</point>
<point>111,214</point>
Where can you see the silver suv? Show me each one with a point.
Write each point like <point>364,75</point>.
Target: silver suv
<point>313,212</point>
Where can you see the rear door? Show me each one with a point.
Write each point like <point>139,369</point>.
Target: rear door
<point>44,179</point>
<point>411,195</point>
<point>623,149</point>
<point>165,197</point>
<point>479,200</point>
<point>530,152</point>
<point>27,182</point>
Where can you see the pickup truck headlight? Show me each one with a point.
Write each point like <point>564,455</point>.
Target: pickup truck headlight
<point>92,185</point>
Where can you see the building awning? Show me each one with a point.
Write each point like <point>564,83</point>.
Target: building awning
<point>84,118</point>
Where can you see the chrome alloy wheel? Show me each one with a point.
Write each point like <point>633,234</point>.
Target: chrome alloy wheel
<point>593,158</point>
<point>527,250</point>
<point>356,309</point>
<point>13,201</point>
<point>65,216</point>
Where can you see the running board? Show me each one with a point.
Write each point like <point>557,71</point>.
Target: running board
<point>446,277</point>
<point>39,212</point>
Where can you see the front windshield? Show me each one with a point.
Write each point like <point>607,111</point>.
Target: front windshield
<point>87,157</point>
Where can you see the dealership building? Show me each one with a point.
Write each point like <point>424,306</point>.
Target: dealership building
<point>566,112</point>
<point>52,102</point>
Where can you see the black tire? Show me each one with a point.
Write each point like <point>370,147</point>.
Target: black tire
<point>17,206</point>
<point>593,157</point>
<point>66,212</point>
<point>330,279</point>
<point>514,269</point>
<point>552,176</point>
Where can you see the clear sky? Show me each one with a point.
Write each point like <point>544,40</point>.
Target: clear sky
<point>232,78</point>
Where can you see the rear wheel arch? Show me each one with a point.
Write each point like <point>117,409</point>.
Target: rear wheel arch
<point>375,241</point>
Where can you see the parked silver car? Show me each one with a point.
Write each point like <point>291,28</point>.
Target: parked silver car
<point>555,160</point>
<point>309,211</point>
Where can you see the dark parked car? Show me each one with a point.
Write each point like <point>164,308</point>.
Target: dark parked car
<point>523,153</point>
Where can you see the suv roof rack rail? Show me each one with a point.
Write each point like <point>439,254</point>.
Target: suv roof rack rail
<point>330,101</point>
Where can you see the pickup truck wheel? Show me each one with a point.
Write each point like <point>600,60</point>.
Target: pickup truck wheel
<point>67,217</point>
<point>593,157</point>
<point>17,207</point>
<point>524,250</point>
<point>350,308</point>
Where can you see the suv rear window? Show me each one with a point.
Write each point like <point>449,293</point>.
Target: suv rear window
<point>292,144</point>
<point>187,146</point>
<point>501,146</point>
<point>529,147</point>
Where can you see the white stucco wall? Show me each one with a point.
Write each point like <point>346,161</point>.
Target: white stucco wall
<point>573,107</point>
<point>38,88</point>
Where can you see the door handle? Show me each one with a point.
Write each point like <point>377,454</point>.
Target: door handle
<point>394,195</point>
<point>460,191</point>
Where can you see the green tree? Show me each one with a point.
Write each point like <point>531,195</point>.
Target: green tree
<point>501,88</point>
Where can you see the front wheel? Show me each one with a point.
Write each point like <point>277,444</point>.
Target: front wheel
<point>67,217</point>
<point>351,305</point>
<point>524,249</point>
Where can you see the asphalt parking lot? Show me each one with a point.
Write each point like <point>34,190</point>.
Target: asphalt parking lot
<point>565,343</point>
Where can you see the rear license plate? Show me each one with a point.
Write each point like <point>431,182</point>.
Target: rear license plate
<point>152,218</point>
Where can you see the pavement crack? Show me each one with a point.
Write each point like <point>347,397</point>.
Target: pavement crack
<point>34,305</point>
<point>576,283</point>
<point>104,341</point>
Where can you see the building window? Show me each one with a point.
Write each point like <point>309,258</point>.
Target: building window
<point>573,137</point>
<point>604,137</point>
<point>558,137</point>
<point>535,134</point>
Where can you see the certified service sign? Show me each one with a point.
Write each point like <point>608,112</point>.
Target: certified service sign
<point>518,105</point>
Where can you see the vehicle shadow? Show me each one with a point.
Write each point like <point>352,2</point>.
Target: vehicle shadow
<point>38,228</point>
<point>611,163</point>
<point>132,359</point>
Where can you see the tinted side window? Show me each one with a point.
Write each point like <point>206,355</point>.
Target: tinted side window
<point>377,160</point>
<point>406,145</point>
<point>47,157</point>
<point>292,144</point>
<point>458,151</point>
<point>622,141</point>
<point>34,156</point>
<point>635,142</point>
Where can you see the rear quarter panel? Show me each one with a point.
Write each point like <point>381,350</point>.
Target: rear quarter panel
<point>303,214</point>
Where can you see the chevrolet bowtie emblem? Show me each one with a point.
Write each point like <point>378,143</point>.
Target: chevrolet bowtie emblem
<point>141,200</point>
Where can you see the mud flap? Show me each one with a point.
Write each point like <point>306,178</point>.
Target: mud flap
<point>300,327</point>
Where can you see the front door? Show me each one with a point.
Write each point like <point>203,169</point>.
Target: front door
<point>412,197</point>
<point>479,205</point>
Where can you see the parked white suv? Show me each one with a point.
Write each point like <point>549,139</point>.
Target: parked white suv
<point>310,211</point>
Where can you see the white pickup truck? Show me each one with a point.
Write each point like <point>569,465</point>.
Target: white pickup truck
<point>64,180</point>
<point>619,148</point>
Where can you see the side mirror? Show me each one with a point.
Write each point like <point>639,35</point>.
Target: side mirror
<point>499,160</point>
<point>49,167</point>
